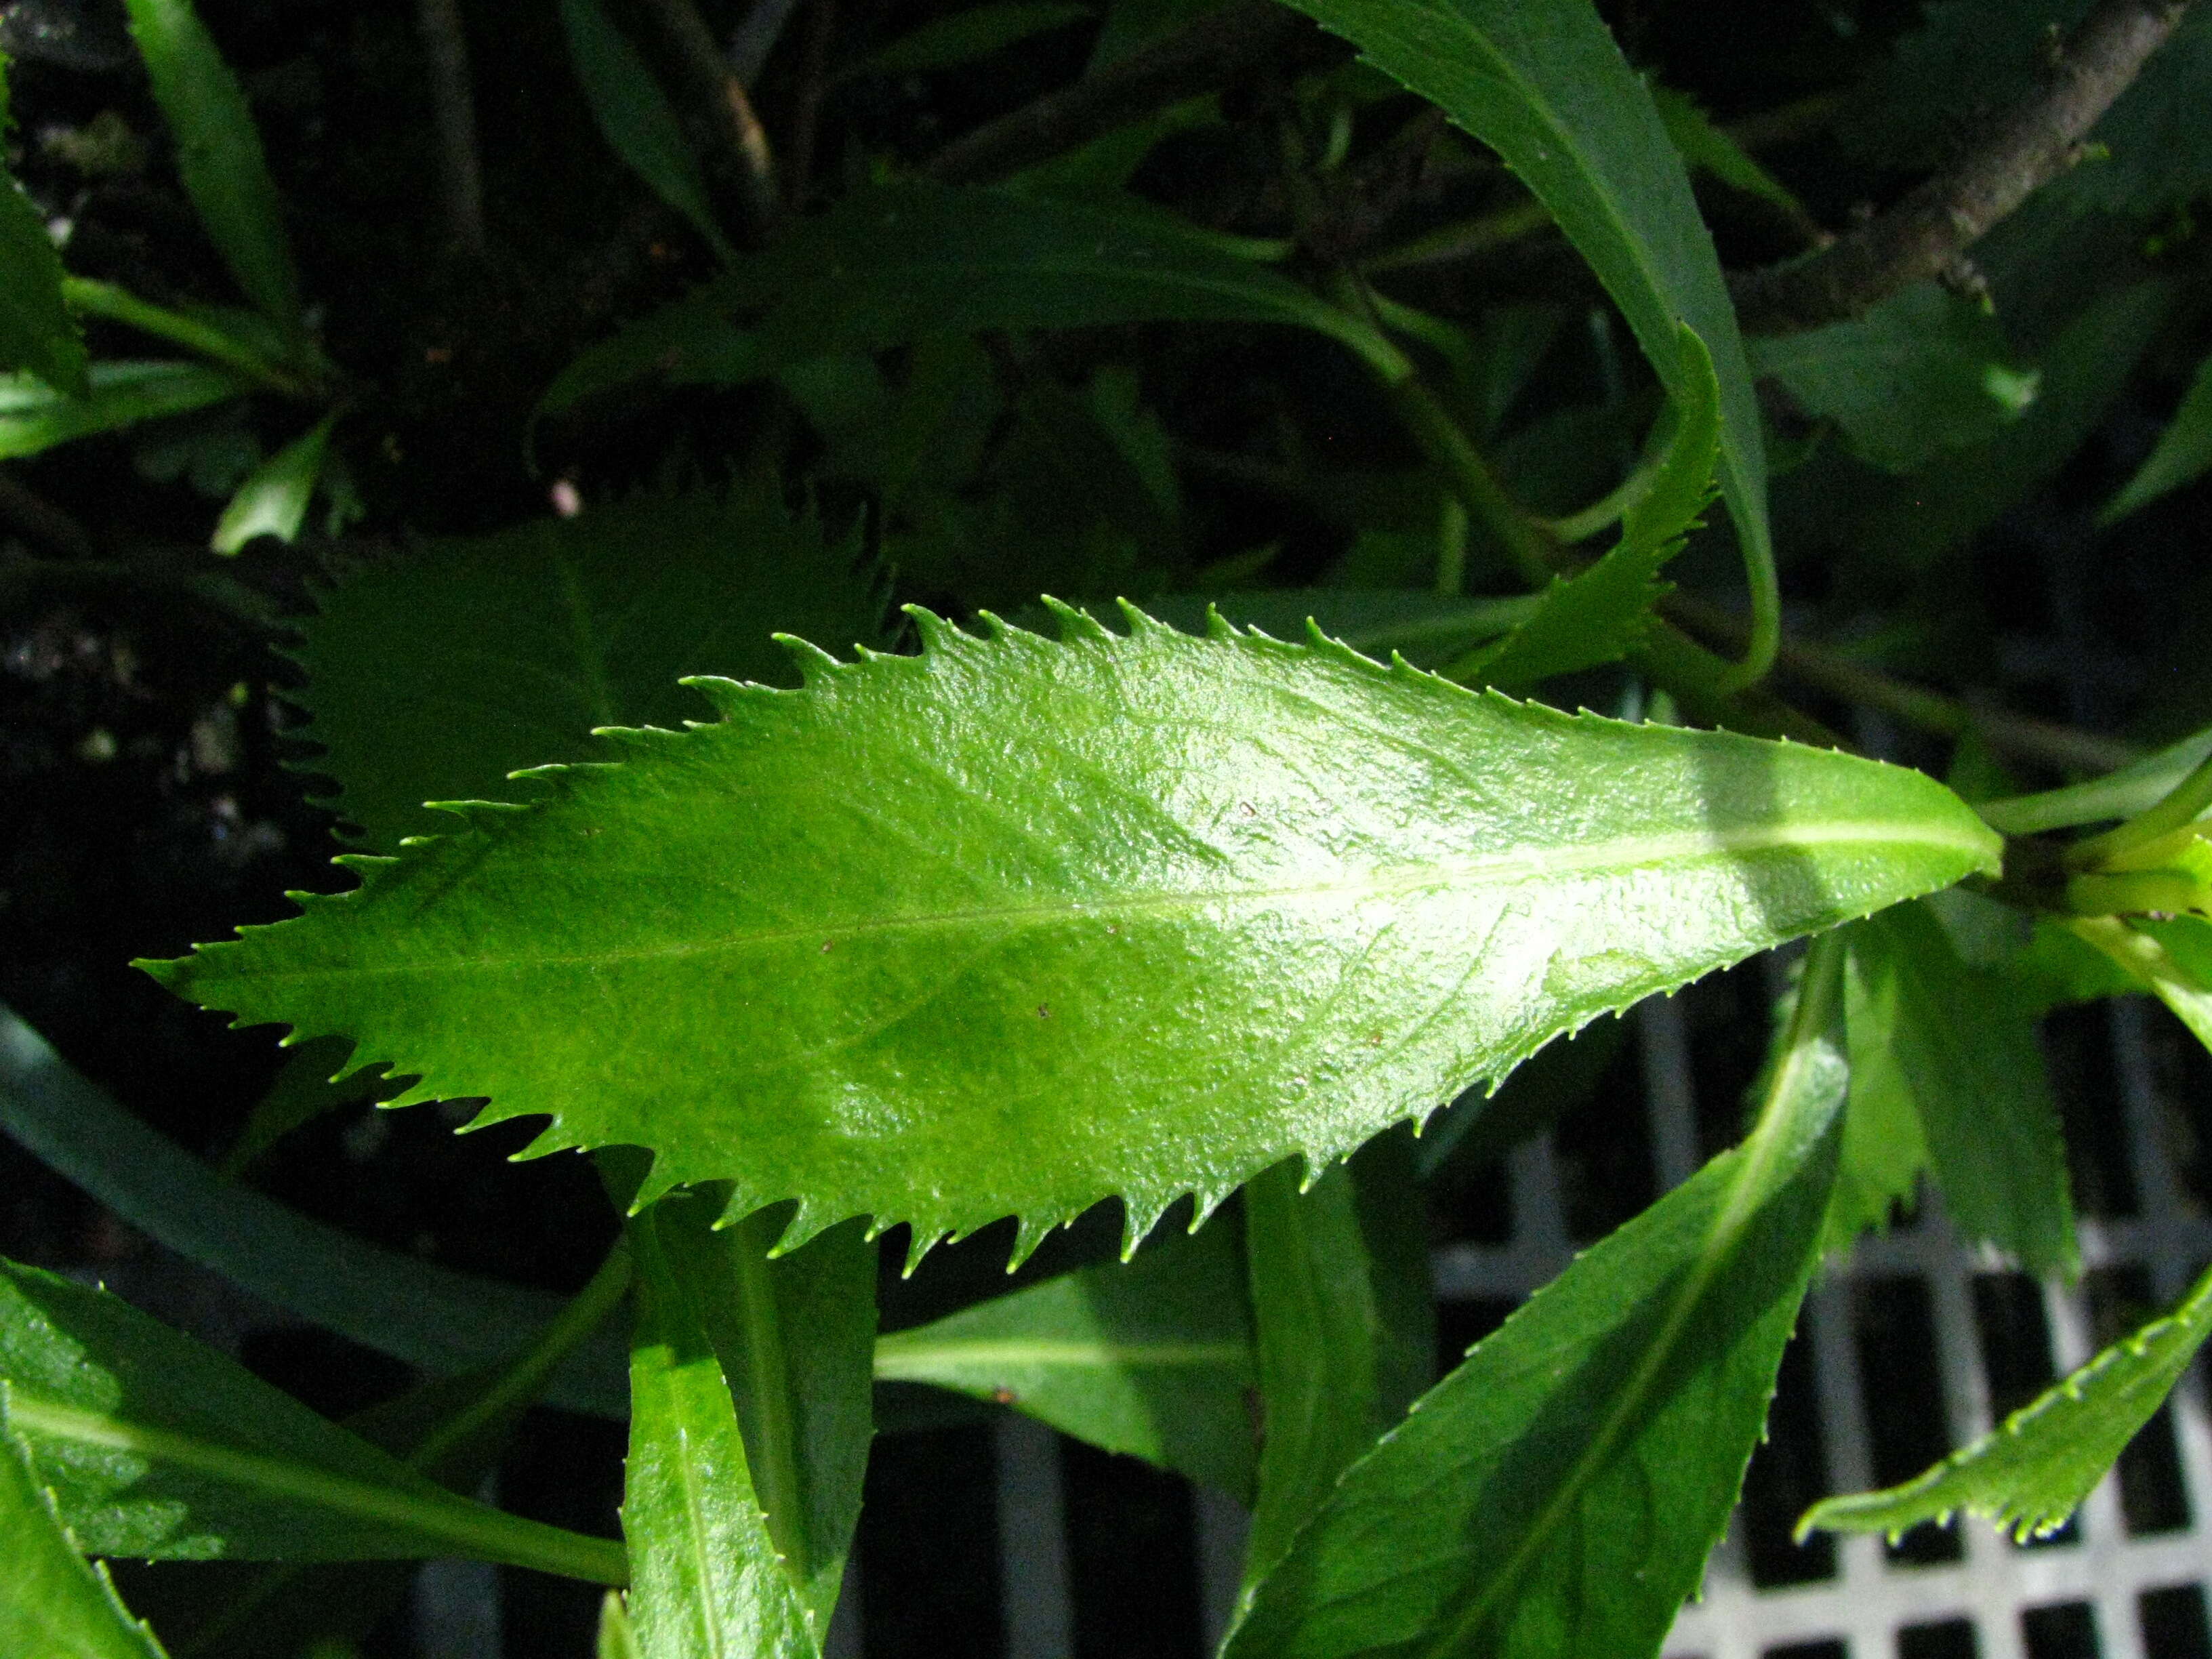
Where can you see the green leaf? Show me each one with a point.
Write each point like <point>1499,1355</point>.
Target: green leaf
<point>227,336</point>
<point>1884,1148</point>
<point>273,501</point>
<point>1557,1495</point>
<point>1152,1358</point>
<point>52,1603</point>
<point>636,120</point>
<point>155,1446</point>
<point>2033,1471</point>
<point>1924,372</point>
<point>311,1085</point>
<point>2172,959</point>
<point>795,1336</point>
<point>706,1583</point>
<point>617,1638</point>
<point>895,263</point>
<point>34,416</point>
<point>1068,954</point>
<point>430,1316</point>
<point>964,36</point>
<point>1542,83</point>
<point>1703,145</point>
<point>1977,1086</point>
<point>1329,1273</point>
<point>219,155</point>
<point>36,329</point>
<point>2183,454</point>
<point>1602,614</point>
<point>519,643</point>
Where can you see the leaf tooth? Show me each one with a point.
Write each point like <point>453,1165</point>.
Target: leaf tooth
<point>1029,1231</point>
<point>1218,627</point>
<point>816,666</point>
<point>727,695</point>
<point>1139,1217</point>
<point>1205,1200</point>
<point>1145,625</point>
<point>1077,625</point>
<point>922,1238</point>
<point>936,633</point>
<point>662,1176</point>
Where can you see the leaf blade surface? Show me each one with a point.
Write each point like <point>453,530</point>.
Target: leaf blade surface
<point>1222,900</point>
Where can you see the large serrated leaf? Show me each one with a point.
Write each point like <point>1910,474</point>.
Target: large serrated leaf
<point>1542,83</point>
<point>219,155</point>
<point>520,642</point>
<point>2034,1469</point>
<point>1017,924</point>
<point>1556,1496</point>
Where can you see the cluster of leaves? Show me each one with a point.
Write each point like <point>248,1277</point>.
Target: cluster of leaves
<point>1190,905</point>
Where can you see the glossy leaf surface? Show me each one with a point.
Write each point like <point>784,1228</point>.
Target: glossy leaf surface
<point>1217,902</point>
<point>1976,1086</point>
<point>34,416</point>
<point>520,642</point>
<point>219,154</point>
<point>1542,83</point>
<point>1557,1495</point>
<point>705,1580</point>
<point>53,1604</point>
<point>2034,1469</point>
<point>36,329</point>
<point>158,1447</point>
<point>1152,1358</point>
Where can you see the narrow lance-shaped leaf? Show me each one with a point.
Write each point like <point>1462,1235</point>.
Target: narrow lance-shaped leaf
<point>1152,1358</point>
<point>34,416</point>
<point>36,329</point>
<point>705,1580</point>
<point>219,154</point>
<point>397,1304</point>
<point>895,263</point>
<point>635,117</point>
<point>1556,1496</point>
<point>1331,1278</point>
<point>2033,1471</point>
<point>2183,454</point>
<point>1216,901</point>
<point>53,1603</point>
<point>1542,83</point>
<point>159,1446</point>
<point>273,501</point>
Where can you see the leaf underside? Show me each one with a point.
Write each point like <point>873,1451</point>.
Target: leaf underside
<point>1017,924</point>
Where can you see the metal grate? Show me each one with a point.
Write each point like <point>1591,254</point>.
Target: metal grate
<point>2124,1580</point>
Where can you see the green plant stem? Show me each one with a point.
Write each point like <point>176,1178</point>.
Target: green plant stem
<point>521,1382</point>
<point>772,1450</point>
<point>1451,549</point>
<point>1763,639</point>
<point>1830,671</point>
<point>90,298</point>
<point>2187,802</point>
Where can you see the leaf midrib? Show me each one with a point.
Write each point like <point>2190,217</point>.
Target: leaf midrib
<point>475,1529</point>
<point>924,1362</point>
<point>1622,853</point>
